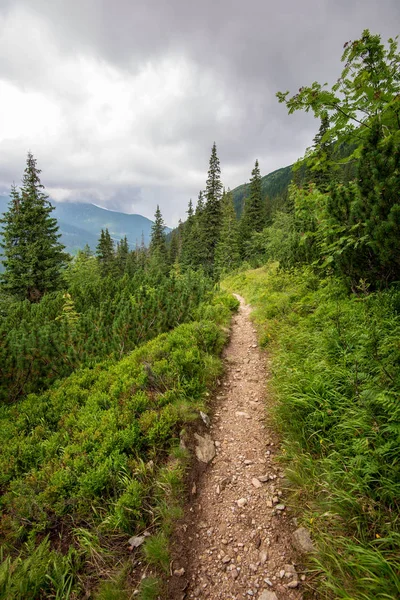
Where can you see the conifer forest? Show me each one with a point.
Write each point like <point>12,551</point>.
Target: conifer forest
<point>106,357</point>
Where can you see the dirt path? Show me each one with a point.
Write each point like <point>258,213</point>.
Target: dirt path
<point>235,540</point>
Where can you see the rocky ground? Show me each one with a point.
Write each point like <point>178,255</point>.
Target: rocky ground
<point>237,539</point>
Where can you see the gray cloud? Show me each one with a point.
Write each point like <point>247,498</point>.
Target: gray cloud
<point>121,100</point>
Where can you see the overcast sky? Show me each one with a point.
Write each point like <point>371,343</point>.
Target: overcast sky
<point>121,100</point>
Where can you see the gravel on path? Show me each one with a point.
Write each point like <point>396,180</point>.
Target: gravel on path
<point>235,541</point>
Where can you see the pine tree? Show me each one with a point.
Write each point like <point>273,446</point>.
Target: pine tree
<point>158,244</point>
<point>141,255</point>
<point>131,263</point>
<point>253,216</point>
<point>33,256</point>
<point>322,169</point>
<point>227,255</point>
<point>190,211</point>
<point>13,246</point>
<point>189,255</point>
<point>105,253</point>
<point>174,248</point>
<point>122,254</point>
<point>199,233</point>
<point>158,238</point>
<point>200,204</point>
<point>364,217</point>
<point>210,223</point>
<point>377,204</point>
<point>87,251</point>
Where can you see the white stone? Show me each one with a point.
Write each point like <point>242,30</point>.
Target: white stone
<point>205,448</point>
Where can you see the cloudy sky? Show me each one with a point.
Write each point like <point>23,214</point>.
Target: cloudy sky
<point>121,100</point>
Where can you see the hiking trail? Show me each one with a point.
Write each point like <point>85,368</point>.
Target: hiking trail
<point>235,540</point>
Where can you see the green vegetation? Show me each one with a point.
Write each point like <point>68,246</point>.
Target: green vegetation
<point>210,222</point>
<point>97,318</point>
<point>106,360</point>
<point>274,188</point>
<point>328,310</point>
<point>254,212</point>
<point>91,413</point>
<point>330,316</point>
<point>366,91</point>
<point>337,384</point>
<point>91,461</point>
<point>33,255</point>
<point>227,252</point>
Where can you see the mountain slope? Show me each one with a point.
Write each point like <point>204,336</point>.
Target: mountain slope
<point>274,185</point>
<point>81,224</point>
<point>92,219</point>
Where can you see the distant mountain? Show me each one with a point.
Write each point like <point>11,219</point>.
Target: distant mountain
<point>274,185</point>
<point>81,224</point>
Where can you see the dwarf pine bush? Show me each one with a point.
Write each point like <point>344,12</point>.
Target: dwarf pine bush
<point>93,459</point>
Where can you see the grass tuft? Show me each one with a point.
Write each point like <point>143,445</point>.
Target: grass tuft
<point>150,588</point>
<point>156,551</point>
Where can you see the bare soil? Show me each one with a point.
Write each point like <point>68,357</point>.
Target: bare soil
<point>234,541</point>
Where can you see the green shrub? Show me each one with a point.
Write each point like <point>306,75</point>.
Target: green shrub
<point>96,450</point>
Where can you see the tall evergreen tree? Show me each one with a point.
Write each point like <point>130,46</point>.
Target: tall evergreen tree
<point>158,238</point>
<point>253,218</point>
<point>189,256</point>
<point>254,215</point>
<point>211,216</point>
<point>105,253</point>
<point>200,204</point>
<point>158,244</point>
<point>131,263</point>
<point>362,226</point>
<point>141,255</point>
<point>33,256</point>
<point>122,254</point>
<point>322,169</point>
<point>174,248</point>
<point>199,234</point>
<point>227,254</point>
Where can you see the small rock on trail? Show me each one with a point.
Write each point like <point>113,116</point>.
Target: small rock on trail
<point>205,448</point>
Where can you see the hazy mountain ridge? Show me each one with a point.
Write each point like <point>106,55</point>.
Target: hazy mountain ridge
<point>81,223</point>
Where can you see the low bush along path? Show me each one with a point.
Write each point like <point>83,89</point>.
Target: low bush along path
<point>236,539</point>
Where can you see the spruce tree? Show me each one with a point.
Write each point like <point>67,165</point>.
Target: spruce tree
<point>158,244</point>
<point>190,211</point>
<point>321,162</point>
<point>363,218</point>
<point>189,255</point>
<point>199,233</point>
<point>131,263</point>
<point>105,253</point>
<point>158,238</point>
<point>122,254</point>
<point>253,216</point>
<point>227,254</point>
<point>211,216</point>
<point>200,204</point>
<point>174,248</point>
<point>33,256</point>
<point>377,204</point>
<point>141,255</point>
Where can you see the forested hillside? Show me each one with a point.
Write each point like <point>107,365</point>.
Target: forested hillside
<point>274,188</point>
<point>108,358</point>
